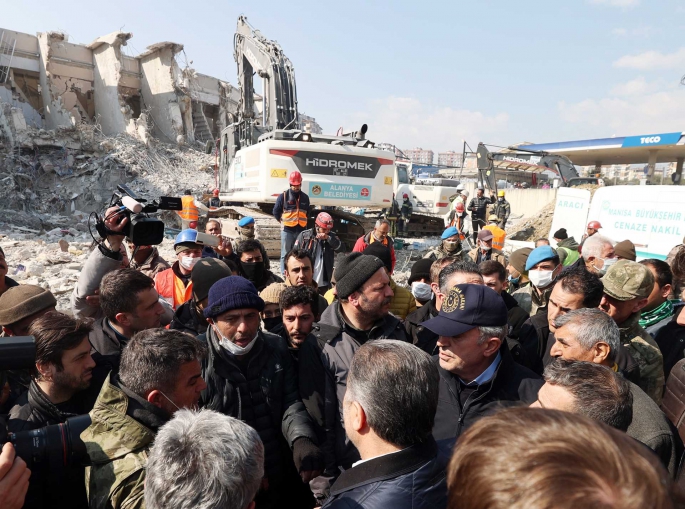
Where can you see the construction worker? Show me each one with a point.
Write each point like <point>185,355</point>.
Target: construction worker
<point>498,233</point>
<point>378,234</point>
<point>479,208</point>
<point>291,211</point>
<point>502,209</point>
<point>214,201</point>
<point>174,285</point>
<point>406,210</point>
<point>321,243</point>
<point>190,212</point>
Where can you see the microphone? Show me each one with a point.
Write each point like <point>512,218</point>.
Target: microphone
<point>134,206</point>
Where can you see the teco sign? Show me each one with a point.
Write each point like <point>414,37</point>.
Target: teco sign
<point>651,140</point>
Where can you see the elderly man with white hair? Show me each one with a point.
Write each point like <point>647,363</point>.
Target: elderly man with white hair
<point>598,254</point>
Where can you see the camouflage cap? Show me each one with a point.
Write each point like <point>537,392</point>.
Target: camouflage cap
<point>626,280</point>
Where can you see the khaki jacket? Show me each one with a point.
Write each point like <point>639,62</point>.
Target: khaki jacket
<point>646,352</point>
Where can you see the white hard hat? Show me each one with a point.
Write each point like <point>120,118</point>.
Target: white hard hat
<point>460,187</point>
<point>465,193</point>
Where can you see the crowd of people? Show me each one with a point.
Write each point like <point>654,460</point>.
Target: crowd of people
<point>552,377</point>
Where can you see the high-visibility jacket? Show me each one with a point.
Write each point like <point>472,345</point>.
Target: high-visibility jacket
<point>498,236</point>
<point>171,288</point>
<point>293,215</point>
<point>190,211</point>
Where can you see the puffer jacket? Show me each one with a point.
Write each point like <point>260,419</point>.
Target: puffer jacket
<point>413,478</point>
<point>56,488</point>
<point>260,390</point>
<point>325,359</point>
<point>117,441</point>
<point>403,302</point>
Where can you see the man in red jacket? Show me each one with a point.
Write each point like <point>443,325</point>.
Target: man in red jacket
<point>378,234</point>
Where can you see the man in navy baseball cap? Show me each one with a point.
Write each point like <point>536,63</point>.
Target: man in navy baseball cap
<point>477,372</point>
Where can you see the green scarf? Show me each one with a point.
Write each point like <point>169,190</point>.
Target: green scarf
<point>656,315</point>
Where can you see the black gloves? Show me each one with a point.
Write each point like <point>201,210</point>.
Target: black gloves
<point>307,455</point>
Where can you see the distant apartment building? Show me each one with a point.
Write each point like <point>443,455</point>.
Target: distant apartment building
<point>310,124</point>
<point>450,158</point>
<point>419,155</point>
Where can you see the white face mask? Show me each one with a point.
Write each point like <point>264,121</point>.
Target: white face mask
<point>608,262</point>
<point>231,347</point>
<point>541,278</point>
<point>421,291</point>
<point>188,262</point>
<point>485,247</point>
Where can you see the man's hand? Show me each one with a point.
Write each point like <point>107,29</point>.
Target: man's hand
<point>321,236</point>
<point>14,478</point>
<point>115,221</point>
<point>308,459</point>
<point>224,248</point>
<point>94,300</point>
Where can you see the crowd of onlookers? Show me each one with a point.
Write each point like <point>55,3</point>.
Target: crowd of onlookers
<point>551,377</point>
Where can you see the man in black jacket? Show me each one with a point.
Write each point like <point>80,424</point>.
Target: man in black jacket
<point>359,315</point>
<point>63,369</point>
<point>479,208</point>
<point>495,277</point>
<point>250,376</point>
<point>389,410</point>
<point>477,374</point>
<point>299,306</point>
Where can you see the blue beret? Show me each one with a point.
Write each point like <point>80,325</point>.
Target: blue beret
<point>540,254</point>
<point>247,220</point>
<point>449,232</point>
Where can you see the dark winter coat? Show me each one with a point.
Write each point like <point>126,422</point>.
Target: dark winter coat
<point>479,207</point>
<point>502,209</point>
<point>58,487</point>
<point>324,364</point>
<point>260,390</point>
<point>671,341</point>
<point>307,240</point>
<point>512,385</point>
<point>420,336</point>
<point>413,478</point>
<point>187,320</point>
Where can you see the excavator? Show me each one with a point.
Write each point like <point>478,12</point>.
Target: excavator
<point>520,159</point>
<point>259,150</point>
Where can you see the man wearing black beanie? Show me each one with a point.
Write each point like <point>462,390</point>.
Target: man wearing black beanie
<point>359,315</point>
<point>567,247</point>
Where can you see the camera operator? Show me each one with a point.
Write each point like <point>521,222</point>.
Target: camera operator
<point>160,373</point>
<point>64,369</point>
<point>108,256</point>
<point>20,306</point>
<point>14,478</point>
<point>146,259</point>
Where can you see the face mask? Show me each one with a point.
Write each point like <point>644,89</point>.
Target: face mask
<point>485,247</point>
<point>253,272</point>
<point>541,278</point>
<point>514,280</point>
<point>500,199</point>
<point>188,262</point>
<point>450,245</point>
<point>421,291</point>
<point>608,262</point>
<point>231,347</point>
<point>272,323</point>
<point>247,232</point>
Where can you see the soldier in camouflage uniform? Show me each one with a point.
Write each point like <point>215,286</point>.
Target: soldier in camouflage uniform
<point>626,287</point>
<point>450,246</point>
<point>160,372</point>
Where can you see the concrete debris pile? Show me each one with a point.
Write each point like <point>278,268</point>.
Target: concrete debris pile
<point>77,169</point>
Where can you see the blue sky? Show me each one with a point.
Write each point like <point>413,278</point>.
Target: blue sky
<point>430,73</point>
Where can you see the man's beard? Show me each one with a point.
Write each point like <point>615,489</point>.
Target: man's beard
<point>70,382</point>
<point>374,310</point>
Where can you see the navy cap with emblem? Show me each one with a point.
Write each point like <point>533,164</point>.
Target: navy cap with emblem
<point>466,307</point>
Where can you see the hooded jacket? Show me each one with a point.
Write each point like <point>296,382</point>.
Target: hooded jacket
<point>325,359</point>
<point>511,385</point>
<point>260,390</point>
<point>413,478</point>
<point>61,488</point>
<point>118,440</point>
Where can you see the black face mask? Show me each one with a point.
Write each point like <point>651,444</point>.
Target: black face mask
<point>271,323</point>
<point>254,272</point>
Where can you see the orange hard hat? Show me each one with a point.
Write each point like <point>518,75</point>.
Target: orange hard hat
<point>594,225</point>
<point>324,220</point>
<point>459,207</point>
<point>295,178</point>
<point>215,192</point>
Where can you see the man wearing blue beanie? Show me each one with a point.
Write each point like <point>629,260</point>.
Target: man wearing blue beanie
<point>543,267</point>
<point>250,376</point>
<point>450,246</point>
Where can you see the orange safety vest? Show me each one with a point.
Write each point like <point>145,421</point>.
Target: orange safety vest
<point>498,235</point>
<point>292,218</point>
<point>172,289</point>
<point>190,211</point>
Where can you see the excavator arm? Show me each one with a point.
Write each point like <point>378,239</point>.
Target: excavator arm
<point>255,54</point>
<point>522,160</point>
